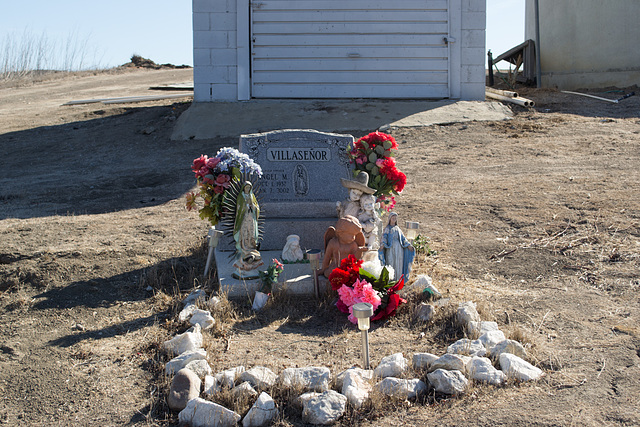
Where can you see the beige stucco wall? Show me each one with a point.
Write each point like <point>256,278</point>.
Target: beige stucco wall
<point>587,43</point>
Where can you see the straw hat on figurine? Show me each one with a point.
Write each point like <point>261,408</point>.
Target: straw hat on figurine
<point>360,183</point>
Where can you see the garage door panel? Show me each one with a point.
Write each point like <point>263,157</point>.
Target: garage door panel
<point>369,16</point>
<point>361,52</point>
<point>354,91</point>
<point>346,64</point>
<point>328,77</point>
<point>392,5</point>
<point>359,28</point>
<point>274,40</point>
<point>355,48</point>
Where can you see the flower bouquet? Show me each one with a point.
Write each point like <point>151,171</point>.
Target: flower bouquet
<point>357,281</point>
<point>214,176</point>
<point>374,154</point>
<point>269,278</point>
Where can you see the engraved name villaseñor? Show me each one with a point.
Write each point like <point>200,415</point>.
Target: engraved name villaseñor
<point>298,154</point>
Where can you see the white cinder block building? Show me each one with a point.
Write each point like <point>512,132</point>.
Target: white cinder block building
<point>246,49</point>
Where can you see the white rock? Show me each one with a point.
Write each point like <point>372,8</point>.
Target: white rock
<point>448,382</point>
<point>244,391</point>
<point>401,388</point>
<point>508,346</point>
<point>187,341</point>
<point>308,379</point>
<point>481,369</point>
<point>364,373</point>
<point>214,302</point>
<point>491,338</point>
<point>425,282</point>
<point>515,367</point>
<point>423,360</point>
<point>467,313</point>
<point>326,408</point>
<point>259,377</point>
<point>391,366</point>
<point>355,388</point>
<point>202,318</point>
<point>227,378</point>
<point>202,413</point>
<point>179,362</point>
<point>186,312</point>
<point>261,413</point>
<point>450,362</point>
<point>259,301</point>
<point>305,397</point>
<point>425,312</point>
<point>199,295</point>
<point>476,329</point>
<point>200,367</point>
<point>467,347</point>
<point>211,385</point>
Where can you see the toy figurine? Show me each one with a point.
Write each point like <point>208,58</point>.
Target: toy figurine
<point>357,187</point>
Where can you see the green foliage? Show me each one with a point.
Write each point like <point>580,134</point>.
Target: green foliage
<point>421,245</point>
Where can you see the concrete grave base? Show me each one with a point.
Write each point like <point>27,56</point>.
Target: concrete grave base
<point>295,278</point>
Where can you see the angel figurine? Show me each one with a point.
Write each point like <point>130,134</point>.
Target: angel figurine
<point>346,238</point>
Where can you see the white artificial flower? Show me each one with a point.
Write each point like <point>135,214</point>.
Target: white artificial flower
<point>373,267</point>
<point>392,273</point>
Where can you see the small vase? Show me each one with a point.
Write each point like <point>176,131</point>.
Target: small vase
<point>259,300</point>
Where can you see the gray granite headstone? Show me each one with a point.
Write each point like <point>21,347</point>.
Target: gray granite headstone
<point>300,184</point>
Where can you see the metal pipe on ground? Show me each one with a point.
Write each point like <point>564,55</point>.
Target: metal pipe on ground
<point>523,102</point>
<point>502,92</point>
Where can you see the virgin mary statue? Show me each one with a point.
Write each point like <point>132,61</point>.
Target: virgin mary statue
<point>395,249</point>
<point>245,229</point>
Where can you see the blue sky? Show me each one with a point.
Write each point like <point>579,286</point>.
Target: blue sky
<point>109,32</point>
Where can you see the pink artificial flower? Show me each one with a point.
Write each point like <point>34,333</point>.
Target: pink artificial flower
<point>379,163</point>
<point>223,180</point>
<point>278,263</point>
<point>361,159</point>
<point>212,162</point>
<point>353,319</point>
<point>346,295</point>
<point>203,171</point>
<point>199,163</point>
<point>371,296</point>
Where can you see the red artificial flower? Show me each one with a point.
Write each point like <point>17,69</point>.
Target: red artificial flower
<point>377,138</point>
<point>398,286</point>
<point>338,277</point>
<point>391,307</point>
<point>401,182</point>
<point>350,262</point>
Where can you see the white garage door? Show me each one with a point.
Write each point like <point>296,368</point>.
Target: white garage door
<point>349,49</point>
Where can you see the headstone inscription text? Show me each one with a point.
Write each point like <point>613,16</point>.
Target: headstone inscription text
<point>299,165</point>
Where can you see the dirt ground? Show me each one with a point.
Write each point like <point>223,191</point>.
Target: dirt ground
<point>536,219</point>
